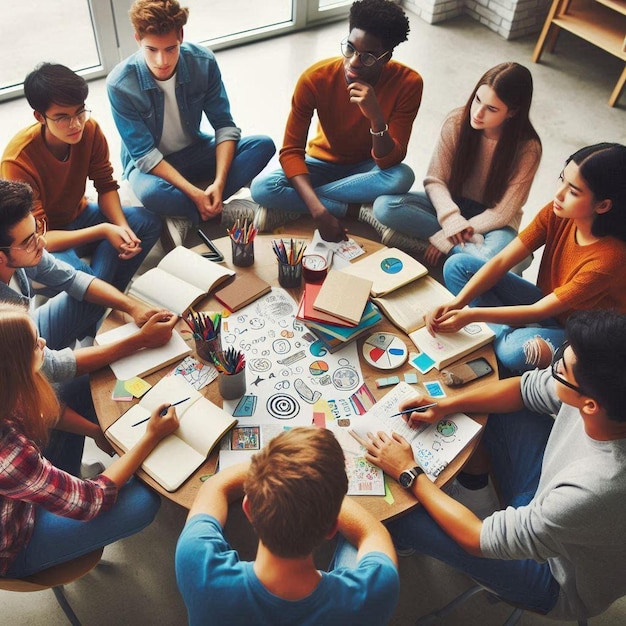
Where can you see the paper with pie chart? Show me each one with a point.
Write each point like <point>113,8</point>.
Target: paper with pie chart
<point>384,351</point>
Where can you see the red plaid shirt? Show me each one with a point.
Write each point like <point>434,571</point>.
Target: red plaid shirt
<point>28,480</point>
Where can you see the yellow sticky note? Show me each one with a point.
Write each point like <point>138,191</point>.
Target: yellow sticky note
<point>137,386</point>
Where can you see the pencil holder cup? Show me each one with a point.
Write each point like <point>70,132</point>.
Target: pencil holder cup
<point>232,386</point>
<point>205,348</point>
<point>289,276</point>
<point>243,253</point>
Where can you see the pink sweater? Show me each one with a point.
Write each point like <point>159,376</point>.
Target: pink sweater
<point>506,212</point>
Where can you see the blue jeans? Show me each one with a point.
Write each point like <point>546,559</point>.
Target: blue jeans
<point>105,262</point>
<point>510,343</point>
<point>335,184</point>
<point>58,539</point>
<point>414,215</point>
<point>197,164</point>
<point>516,443</point>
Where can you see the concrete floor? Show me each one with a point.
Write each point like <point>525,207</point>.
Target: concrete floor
<point>135,583</point>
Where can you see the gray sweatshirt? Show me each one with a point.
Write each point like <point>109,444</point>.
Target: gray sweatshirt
<point>576,519</point>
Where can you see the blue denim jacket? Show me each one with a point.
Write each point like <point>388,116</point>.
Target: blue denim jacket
<point>138,104</point>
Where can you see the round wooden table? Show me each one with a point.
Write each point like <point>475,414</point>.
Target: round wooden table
<point>108,410</point>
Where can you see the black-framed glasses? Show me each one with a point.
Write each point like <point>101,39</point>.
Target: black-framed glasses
<point>367,58</point>
<point>557,359</point>
<point>65,121</point>
<point>30,245</point>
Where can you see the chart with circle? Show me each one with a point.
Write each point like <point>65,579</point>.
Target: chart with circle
<point>384,351</point>
<point>391,265</point>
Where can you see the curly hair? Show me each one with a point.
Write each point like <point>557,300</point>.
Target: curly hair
<point>295,487</point>
<point>381,18</point>
<point>157,17</point>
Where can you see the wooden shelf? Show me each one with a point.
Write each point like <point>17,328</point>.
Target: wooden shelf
<point>600,22</point>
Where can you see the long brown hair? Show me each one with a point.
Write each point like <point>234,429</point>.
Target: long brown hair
<point>513,84</point>
<point>28,398</point>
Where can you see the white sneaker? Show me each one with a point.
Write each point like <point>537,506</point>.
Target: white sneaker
<point>174,232</point>
<point>411,245</point>
<point>91,469</point>
<point>238,210</point>
<point>482,502</point>
<point>267,221</point>
<point>366,215</point>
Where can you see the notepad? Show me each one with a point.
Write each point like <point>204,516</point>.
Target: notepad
<point>175,458</point>
<point>343,296</point>
<point>246,288</point>
<point>146,360</point>
<point>181,278</point>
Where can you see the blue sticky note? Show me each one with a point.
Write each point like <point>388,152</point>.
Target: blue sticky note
<point>410,378</point>
<point>434,389</point>
<point>422,362</point>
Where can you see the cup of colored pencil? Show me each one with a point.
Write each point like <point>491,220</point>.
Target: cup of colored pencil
<point>206,332</point>
<point>289,256</point>
<point>242,243</point>
<point>231,367</point>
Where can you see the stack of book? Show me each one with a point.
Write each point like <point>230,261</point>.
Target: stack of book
<point>332,331</point>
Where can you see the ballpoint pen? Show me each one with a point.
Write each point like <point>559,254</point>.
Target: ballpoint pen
<point>163,411</point>
<point>417,409</point>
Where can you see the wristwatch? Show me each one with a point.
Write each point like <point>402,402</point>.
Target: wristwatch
<point>407,478</point>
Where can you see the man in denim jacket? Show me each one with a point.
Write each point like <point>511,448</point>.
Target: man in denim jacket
<point>158,96</point>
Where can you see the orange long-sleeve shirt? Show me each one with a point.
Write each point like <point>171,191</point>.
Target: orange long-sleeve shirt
<point>582,277</point>
<point>59,186</point>
<point>343,132</point>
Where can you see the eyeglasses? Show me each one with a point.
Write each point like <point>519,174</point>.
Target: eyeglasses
<point>557,359</point>
<point>367,58</point>
<point>30,244</point>
<point>65,121</point>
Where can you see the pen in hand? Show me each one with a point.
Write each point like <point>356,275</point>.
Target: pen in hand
<point>163,411</point>
<point>417,409</point>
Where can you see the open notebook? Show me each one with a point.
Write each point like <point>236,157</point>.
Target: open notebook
<point>202,425</point>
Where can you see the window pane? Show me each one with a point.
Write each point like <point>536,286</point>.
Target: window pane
<point>32,31</point>
<point>214,19</point>
<point>328,4</point>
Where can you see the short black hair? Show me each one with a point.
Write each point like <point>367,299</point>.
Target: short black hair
<point>52,83</point>
<point>16,202</point>
<point>598,339</point>
<point>381,18</point>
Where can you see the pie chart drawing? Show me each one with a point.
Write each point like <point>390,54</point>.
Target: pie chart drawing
<point>317,368</point>
<point>384,351</point>
<point>391,265</point>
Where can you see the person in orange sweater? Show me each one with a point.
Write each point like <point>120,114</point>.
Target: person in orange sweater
<point>55,157</point>
<point>584,233</point>
<point>366,104</point>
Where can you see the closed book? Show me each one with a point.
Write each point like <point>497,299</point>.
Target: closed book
<point>343,296</point>
<point>388,269</point>
<point>246,288</point>
<point>371,315</point>
<point>309,294</point>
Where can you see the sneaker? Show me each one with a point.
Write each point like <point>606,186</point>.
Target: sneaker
<point>413,246</point>
<point>268,221</point>
<point>366,215</point>
<point>91,470</point>
<point>238,210</point>
<point>482,502</point>
<point>174,232</point>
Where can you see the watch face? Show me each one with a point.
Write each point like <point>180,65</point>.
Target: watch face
<point>406,479</point>
<point>314,262</point>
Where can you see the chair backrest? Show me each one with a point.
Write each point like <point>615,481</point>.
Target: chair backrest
<point>61,574</point>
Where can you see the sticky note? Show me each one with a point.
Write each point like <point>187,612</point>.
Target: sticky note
<point>137,386</point>
<point>410,378</point>
<point>120,393</point>
<point>387,382</point>
<point>434,389</point>
<point>422,362</point>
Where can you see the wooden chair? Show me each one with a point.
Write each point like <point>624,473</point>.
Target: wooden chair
<point>54,578</point>
<point>436,616</point>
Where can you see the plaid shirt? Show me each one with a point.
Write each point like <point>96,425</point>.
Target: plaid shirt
<point>28,480</point>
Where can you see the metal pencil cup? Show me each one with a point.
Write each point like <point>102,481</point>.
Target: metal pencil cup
<point>232,386</point>
<point>289,276</point>
<point>206,348</point>
<point>243,253</point>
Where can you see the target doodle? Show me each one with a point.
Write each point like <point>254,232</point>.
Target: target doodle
<point>282,406</point>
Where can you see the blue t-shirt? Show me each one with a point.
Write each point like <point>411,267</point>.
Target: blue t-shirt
<point>219,588</point>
